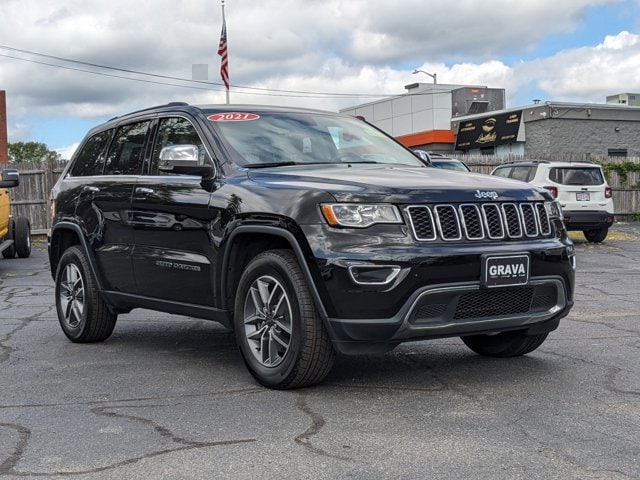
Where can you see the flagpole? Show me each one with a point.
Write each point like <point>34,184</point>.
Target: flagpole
<point>223,52</point>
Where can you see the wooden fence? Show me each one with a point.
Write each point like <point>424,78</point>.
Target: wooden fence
<point>31,198</point>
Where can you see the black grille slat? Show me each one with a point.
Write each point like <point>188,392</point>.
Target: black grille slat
<point>545,226</point>
<point>512,217</point>
<point>529,219</point>
<point>471,221</point>
<point>447,220</point>
<point>493,303</point>
<point>493,220</point>
<point>422,223</point>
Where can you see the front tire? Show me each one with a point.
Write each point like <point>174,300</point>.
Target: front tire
<point>83,315</point>
<point>596,235</point>
<point>506,344</point>
<point>283,341</point>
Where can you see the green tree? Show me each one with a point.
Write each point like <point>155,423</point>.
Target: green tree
<point>35,152</point>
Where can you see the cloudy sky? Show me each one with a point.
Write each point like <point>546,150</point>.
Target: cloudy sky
<point>68,65</point>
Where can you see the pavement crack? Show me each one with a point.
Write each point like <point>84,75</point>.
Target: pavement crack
<point>317,422</point>
<point>6,350</point>
<point>129,461</point>
<point>162,431</point>
<point>12,460</point>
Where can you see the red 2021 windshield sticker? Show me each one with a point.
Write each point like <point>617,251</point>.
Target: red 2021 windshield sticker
<point>233,117</point>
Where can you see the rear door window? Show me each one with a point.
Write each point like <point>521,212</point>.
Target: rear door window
<point>90,160</point>
<point>576,176</point>
<point>126,154</point>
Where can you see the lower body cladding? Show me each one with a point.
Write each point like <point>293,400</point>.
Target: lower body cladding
<point>372,306</point>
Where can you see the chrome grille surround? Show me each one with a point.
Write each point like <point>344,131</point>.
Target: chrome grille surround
<point>469,221</point>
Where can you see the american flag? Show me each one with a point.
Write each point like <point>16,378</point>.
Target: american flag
<point>222,51</point>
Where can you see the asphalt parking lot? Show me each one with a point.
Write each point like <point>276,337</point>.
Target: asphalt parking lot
<point>168,397</point>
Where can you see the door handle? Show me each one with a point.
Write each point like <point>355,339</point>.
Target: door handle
<point>145,190</point>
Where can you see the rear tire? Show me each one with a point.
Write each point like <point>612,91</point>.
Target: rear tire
<point>506,344</point>
<point>23,237</point>
<point>283,341</point>
<point>596,235</point>
<point>83,315</point>
<point>10,252</point>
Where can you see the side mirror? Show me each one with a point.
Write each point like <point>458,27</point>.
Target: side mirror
<point>10,178</point>
<point>182,159</point>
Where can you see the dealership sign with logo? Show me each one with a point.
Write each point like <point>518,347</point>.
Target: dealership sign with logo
<point>490,131</point>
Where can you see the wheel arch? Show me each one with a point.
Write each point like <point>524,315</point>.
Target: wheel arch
<point>63,236</point>
<point>244,243</point>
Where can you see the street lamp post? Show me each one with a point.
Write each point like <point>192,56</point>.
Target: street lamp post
<point>432,75</point>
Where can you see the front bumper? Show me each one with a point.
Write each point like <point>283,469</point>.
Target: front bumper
<point>432,290</point>
<point>457,310</point>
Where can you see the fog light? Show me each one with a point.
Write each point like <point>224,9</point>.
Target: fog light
<point>373,274</point>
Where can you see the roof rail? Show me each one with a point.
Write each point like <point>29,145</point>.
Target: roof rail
<point>170,104</point>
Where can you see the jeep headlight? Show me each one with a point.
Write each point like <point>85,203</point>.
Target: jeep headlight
<point>359,215</point>
<point>553,209</point>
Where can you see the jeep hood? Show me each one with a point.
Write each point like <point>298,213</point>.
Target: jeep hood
<point>395,183</point>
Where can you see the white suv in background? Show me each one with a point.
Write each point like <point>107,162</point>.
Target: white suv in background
<point>580,187</point>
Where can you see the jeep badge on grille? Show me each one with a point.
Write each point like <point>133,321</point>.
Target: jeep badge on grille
<point>482,195</point>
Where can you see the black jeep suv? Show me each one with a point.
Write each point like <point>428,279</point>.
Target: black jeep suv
<point>306,232</point>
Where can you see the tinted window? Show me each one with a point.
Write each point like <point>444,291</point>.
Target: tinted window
<point>176,131</point>
<point>266,139</point>
<point>90,160</point>
<point>524,174</point>
<point>576,176</point>
<point>502,172</point>
<point>126,153</point>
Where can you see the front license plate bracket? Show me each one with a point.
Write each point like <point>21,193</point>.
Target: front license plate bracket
<point>504,270</point>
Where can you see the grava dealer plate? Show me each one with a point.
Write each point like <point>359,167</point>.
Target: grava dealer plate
<point>506,270</point>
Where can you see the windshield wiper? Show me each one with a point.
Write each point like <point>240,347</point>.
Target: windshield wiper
<point>271,164</point>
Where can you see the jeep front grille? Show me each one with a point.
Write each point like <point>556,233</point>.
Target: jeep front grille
<point>470,221</point>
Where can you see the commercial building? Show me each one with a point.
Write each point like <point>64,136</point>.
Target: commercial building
<point>473,119</point>
<point>422,116</point>
<point>552,129</point>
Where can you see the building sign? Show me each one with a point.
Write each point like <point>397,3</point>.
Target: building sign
<point>489,131</point>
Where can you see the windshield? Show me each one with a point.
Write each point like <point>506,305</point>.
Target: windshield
<point>275,139</point>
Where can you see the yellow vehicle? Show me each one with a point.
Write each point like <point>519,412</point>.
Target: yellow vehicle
<point>15,234</point>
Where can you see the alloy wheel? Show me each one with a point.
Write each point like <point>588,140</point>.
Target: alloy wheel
<point>71,295</point>
<point>268,321</point>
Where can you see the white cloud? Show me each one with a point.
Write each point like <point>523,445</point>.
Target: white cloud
<point>336,46</point>
<point>588,73</point>
<point>67,152</point>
